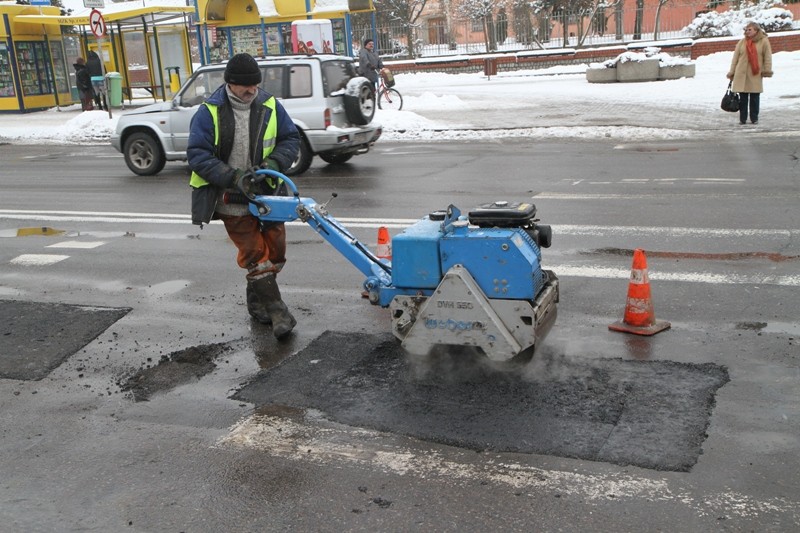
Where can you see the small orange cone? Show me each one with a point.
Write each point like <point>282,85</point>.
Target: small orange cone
<point>384,248</point>
<point>640,318</point>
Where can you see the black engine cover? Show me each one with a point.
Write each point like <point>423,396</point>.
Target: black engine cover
<point>503,215</point>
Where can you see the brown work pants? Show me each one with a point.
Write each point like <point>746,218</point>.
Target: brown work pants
<point>261,250</point>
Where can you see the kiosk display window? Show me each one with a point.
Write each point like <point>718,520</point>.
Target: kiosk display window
<point>59,67</point>
<point>273,40</point>
<point>247,40</point>
<point>338,36</point>
<point>34,68</point>
<point>6,79</point>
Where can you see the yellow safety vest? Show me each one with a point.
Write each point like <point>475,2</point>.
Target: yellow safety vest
<point>270,135</point>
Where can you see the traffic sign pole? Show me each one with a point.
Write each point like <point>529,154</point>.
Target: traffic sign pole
<point>98,26</point>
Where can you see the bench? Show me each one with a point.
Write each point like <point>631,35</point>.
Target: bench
<point>154,90</point>
<point>139,78</point>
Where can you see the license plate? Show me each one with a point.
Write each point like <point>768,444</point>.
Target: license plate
<point>360,137</point>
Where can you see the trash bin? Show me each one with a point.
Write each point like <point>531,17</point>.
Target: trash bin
<point>114,89</point>
<point>490,67</point>
<point>174,79</point>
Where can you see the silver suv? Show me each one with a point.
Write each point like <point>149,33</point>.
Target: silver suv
<point>329,103</point>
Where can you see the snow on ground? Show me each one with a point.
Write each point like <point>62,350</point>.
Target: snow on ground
<point>449,100</point>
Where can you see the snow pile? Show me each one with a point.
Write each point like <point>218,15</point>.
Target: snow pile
<point>664,59</point>
<point>733,21</point>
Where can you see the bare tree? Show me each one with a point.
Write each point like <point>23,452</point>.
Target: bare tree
<point>402,12</point>
<point>599,7</point>
<point>565,11</point>
<point>661,3</point>
<point>483,10</point>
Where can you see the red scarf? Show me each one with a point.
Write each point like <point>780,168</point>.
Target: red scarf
<point>752,55</point>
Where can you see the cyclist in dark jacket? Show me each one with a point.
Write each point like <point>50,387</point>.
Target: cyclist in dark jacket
<point>238,129</point>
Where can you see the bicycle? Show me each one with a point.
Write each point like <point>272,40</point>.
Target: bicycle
<point>389,97</point>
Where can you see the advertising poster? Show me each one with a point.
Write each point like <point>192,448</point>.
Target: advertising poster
<point>312,37</point>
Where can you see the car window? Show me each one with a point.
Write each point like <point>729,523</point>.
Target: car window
<point>200,87</point>
<point>336,74</point>
<point>299,81</point>
<point>272,80</point>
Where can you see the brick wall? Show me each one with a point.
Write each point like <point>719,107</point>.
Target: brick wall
<point>540,59</point>
<point>780,42</point>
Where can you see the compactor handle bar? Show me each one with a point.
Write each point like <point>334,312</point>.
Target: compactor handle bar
<point>289,208</point>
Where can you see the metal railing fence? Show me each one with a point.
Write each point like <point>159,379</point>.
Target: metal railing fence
<point>430,38</point>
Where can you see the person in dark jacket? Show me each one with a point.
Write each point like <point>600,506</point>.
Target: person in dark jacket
<point>84,84</point>
<point>369,63</point>
<point>98,82</point>
<point>238,129</point>
<point>751,63</point>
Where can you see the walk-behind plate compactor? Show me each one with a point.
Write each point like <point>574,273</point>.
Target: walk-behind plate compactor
<point>453,280</point>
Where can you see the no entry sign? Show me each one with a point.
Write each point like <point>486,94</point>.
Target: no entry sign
<point>96,23</point>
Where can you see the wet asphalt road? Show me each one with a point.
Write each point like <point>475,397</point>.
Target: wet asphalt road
<point>718,220</point>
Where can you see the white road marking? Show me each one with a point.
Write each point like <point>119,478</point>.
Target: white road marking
<point>685,277</point>
<point>565,270</point>
<point>309,443</point>
<point>37,259</point>
<point>565,229</point>
<point>77,244</point>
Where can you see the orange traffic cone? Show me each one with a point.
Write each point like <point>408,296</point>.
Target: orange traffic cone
<point>384,248</point>
<point>640,318</point>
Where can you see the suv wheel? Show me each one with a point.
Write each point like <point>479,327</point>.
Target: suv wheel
<point>336,159</point>
<point>303,161</point>
<point>359,101</point>
<point>143,154</point>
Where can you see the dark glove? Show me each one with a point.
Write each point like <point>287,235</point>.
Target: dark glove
<point>245,181</point>
<point>271,164</point>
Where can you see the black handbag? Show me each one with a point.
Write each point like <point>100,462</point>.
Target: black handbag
<point>730,102</point>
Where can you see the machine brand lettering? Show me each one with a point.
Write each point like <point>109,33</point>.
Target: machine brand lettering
<point>450,304</point>
<point>453,325</point>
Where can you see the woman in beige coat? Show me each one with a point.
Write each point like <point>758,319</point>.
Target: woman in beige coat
<point>752,61</point>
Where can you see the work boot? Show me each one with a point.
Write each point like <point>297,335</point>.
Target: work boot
<point>256,307</point>
<point>269,294</point>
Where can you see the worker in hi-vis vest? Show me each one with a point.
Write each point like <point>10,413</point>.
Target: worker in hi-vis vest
<point>238,129</point>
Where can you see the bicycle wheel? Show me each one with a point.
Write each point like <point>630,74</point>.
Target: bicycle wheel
<point>390,99</point>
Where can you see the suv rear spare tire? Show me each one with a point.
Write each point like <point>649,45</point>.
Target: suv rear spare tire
<point>359,101</point>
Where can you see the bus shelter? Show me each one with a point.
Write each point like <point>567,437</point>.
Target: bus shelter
<point>146,43</point>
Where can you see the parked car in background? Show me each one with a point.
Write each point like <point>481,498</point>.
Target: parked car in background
<point>329,103</point>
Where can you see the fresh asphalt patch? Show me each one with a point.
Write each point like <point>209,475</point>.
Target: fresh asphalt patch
<point>37,337</point>
<point>651,414</point>
<point>177,368</point>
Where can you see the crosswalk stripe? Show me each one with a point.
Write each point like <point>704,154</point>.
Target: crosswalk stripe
<point>77,244</point>
<point>38,259</point>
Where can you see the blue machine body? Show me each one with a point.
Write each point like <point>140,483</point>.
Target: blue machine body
<point>470,281</point>
<point>505,262</point>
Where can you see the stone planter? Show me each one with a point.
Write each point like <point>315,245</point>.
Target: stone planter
<point>676,72</point>
<point>601,75</point>
<point>646,70</point>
